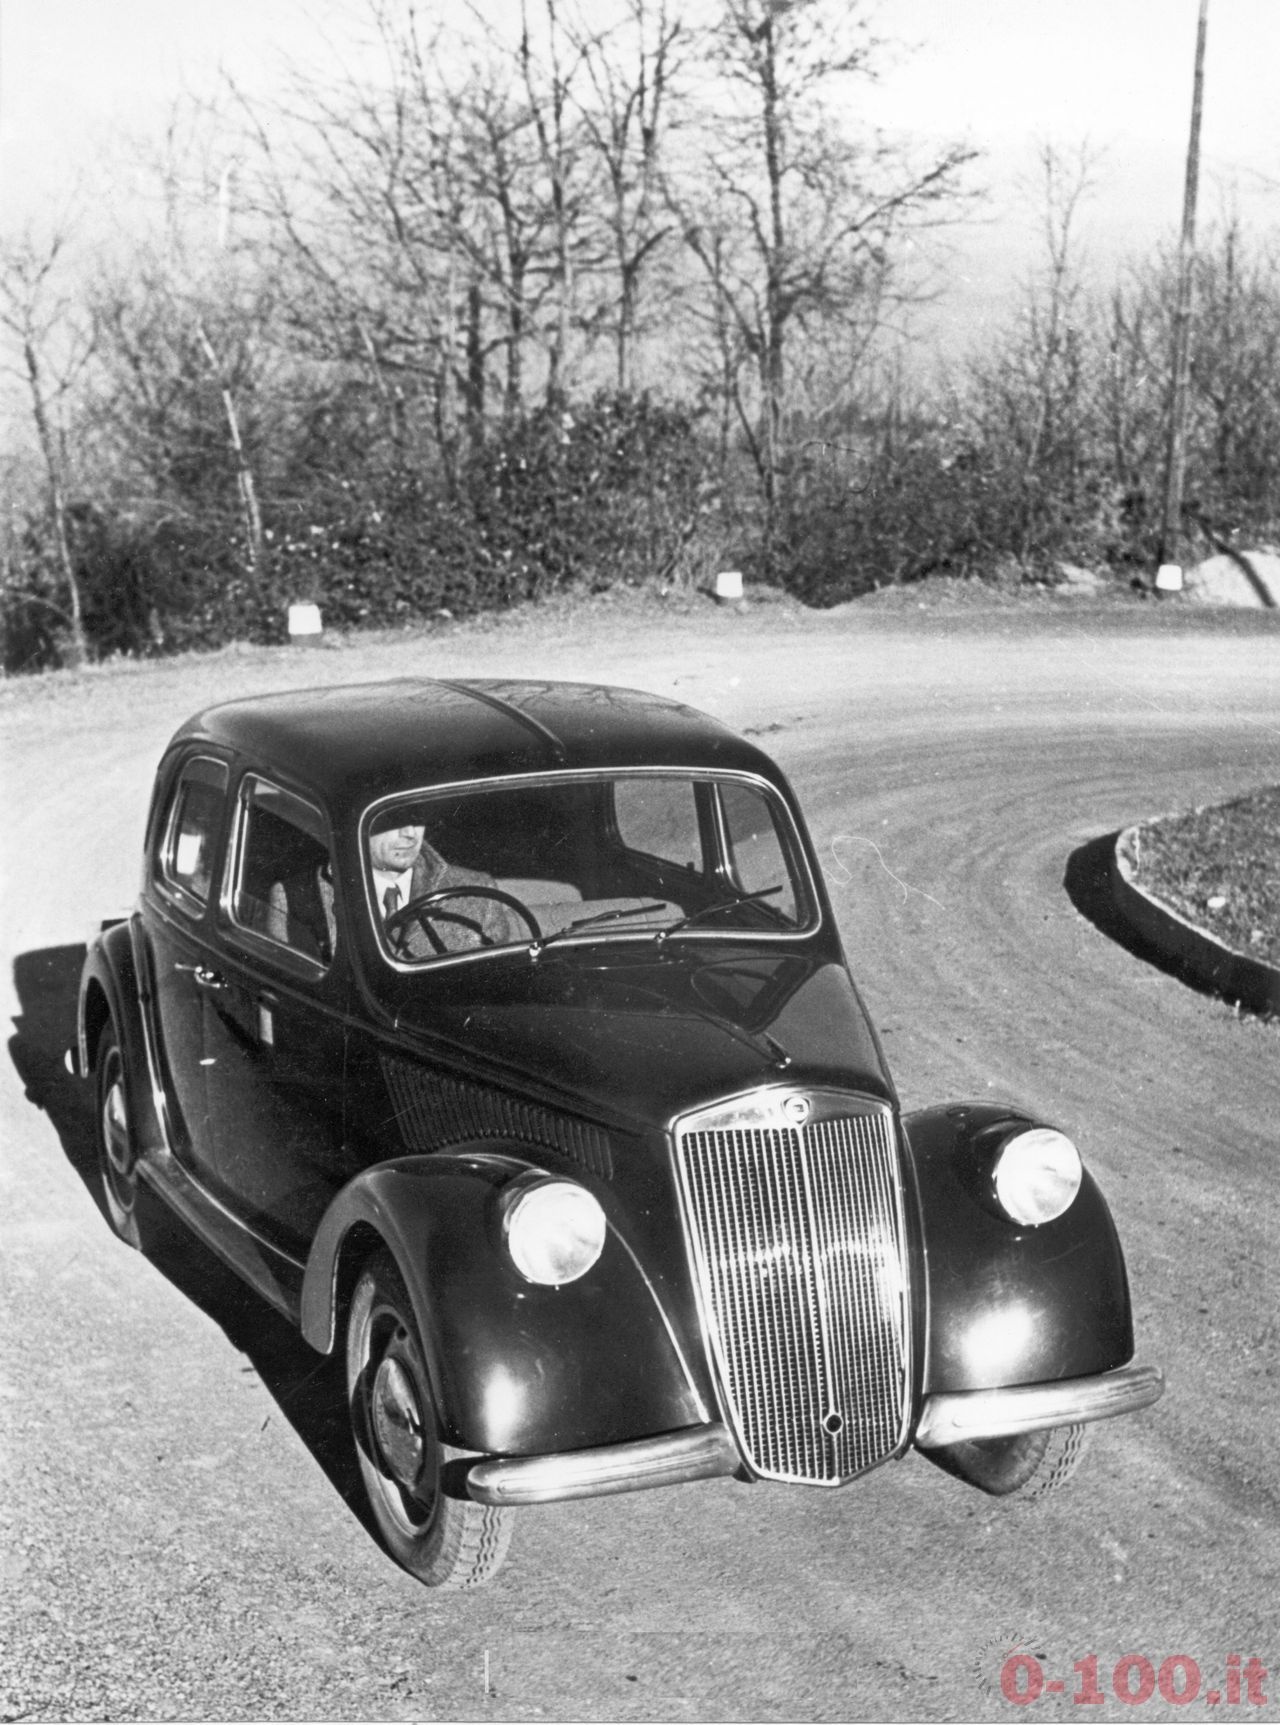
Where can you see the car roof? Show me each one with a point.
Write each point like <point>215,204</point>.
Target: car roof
<point>355,742</point>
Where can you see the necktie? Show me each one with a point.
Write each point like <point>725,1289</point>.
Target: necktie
<point>390,902</point>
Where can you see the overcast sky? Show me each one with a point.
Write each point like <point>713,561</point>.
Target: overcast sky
<point>76,74</point>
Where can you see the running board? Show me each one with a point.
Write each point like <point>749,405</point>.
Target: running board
<point>270,1272</point>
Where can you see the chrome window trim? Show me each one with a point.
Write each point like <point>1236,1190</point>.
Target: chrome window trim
<point>789,837</point>
<point>251,940</point>
<point>173,891</point>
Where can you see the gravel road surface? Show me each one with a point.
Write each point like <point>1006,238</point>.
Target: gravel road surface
<point>180,1538</point>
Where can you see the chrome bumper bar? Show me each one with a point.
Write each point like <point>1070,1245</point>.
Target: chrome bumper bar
<point>962,1418</point>
<point>701,1452</point>
<point>709,1452</point>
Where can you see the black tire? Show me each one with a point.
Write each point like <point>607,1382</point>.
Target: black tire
<point>1028,1466</point>
<point>113,1132</point>
<point>444,1539</point>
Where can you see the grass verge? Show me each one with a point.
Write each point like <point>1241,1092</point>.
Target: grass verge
<point>1220,868</point>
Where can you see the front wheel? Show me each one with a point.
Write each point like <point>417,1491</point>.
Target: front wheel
<point>445,1540</point>
<point>1029,1465</point>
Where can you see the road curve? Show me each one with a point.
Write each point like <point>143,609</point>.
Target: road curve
<point>175,1537</point>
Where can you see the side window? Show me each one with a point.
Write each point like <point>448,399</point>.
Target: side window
<point>191,831</point>
<point>755,851</point>
<point>282,887</point>
<point>660,818</point>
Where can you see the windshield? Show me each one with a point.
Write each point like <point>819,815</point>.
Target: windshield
<point>582,857</point>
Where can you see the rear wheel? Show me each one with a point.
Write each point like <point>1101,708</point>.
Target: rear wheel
<point>117,1155</point>
<point>427,1524</point>
<point>1028,1466</point>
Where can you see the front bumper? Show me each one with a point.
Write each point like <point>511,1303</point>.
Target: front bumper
<point>709,1452</point>
<point>1036,1407</point>
<point>699,1452</point>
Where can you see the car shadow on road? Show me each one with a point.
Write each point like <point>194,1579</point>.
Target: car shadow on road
<point>1087,881</point>
<point>46,984</point>
<point>306,1386</point>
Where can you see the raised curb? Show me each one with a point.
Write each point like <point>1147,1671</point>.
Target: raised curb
<point>1234,976</point>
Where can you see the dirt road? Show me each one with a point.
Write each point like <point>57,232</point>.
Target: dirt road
<point>175,1539</point>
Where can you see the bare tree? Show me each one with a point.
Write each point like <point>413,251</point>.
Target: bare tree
<point>427,217</point>
<point>547,87</point>
<point>791,215</point>
<point>1036,394</point>
<point>51,346</point>
<point>245,482</point>
<point>346,178</point>
<point>1234,422</point>
<point>184,335</point>
<point>632,67</point>
<point>508,222</point>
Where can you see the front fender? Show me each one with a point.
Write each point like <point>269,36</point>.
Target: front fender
<point>516,1369</point>
<point>1008,1304</point>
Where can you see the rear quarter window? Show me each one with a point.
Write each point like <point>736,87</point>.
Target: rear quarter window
<point>189,832</point>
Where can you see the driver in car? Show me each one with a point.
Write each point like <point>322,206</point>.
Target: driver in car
<point>405,868</point>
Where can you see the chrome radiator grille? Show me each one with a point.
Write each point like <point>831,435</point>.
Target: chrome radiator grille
<point>793,1208</point>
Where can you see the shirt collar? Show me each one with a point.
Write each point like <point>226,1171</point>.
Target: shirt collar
<point>402,882</point>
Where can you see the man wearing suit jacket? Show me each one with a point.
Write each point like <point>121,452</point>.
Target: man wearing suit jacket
<point>404,868</point>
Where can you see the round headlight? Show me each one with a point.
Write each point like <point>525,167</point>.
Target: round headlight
<point>1037,1175</point>
<point>555,1232</point>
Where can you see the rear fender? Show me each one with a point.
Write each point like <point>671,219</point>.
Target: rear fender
<point>1009,1304</point>
<point>109,990</point>
<point>516,1369</point>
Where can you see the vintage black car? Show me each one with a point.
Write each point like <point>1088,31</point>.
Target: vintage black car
<point>500,1035</point>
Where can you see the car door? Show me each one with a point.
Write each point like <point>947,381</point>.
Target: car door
<point>174,952</point>
<point>275,1028</point>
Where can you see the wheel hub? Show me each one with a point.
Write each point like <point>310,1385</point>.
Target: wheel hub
<point>397,1422</point>
<point>115,1134</point>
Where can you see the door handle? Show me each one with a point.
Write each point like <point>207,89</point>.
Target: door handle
<point>204,977</point>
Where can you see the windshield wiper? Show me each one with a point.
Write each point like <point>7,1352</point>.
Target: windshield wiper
<point>695,916</point>
<point>538,947</point>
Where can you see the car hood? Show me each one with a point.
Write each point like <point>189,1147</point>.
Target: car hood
<point>641,1037</point>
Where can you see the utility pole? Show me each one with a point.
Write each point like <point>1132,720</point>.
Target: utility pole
<point>1171,525</point>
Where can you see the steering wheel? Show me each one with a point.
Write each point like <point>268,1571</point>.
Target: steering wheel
<point>424,910</point>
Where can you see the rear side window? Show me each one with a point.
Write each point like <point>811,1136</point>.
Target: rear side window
<point>191,831</point>
<point>283,879</point>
